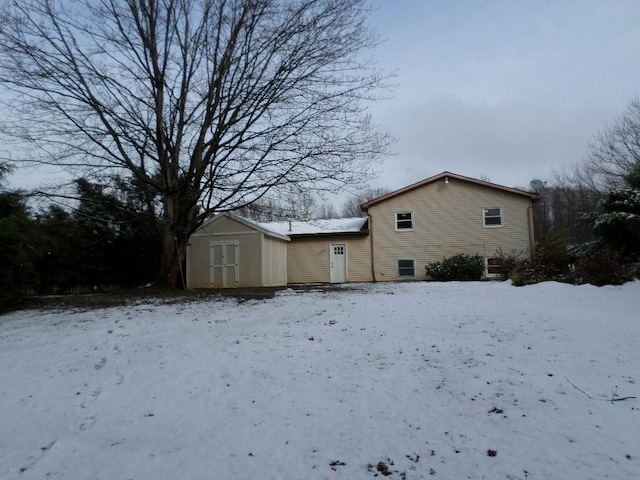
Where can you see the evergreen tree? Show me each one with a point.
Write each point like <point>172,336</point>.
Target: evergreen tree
<point>103,241</point>
<point>17,251</point>
<point>617,222</point>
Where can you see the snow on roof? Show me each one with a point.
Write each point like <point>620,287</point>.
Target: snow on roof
<point>315,227</point>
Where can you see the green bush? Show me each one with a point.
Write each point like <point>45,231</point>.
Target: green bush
<point>457,268</point>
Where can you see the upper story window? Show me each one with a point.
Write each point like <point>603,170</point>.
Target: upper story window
<point>404,220</point>
<point>492,216</point>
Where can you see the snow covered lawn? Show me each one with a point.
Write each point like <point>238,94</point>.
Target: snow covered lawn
<point>411,380</point>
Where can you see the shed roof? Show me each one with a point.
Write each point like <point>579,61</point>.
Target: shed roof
<point>365,206</point>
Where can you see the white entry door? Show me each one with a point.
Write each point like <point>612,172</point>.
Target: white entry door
<point>224,268</point>
<point>338,259</point>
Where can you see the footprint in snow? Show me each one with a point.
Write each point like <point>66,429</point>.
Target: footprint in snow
<point>34,458</point>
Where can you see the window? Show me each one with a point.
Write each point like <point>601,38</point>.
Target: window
<point>404,221</point>
<point>492,216</point>
<point>406,269</point>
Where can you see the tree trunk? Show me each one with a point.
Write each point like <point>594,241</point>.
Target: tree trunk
<point>179,217</point>
<point>171,258</point>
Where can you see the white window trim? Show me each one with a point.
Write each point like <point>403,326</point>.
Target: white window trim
<point>484,218</point>
<point>395,221</point>
<point>400,277</point>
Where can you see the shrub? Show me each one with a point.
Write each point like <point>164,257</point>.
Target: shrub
<point>552,260</point>
<point>502,264</point>
<point>595,263</point>
<point>599,264</point>
<point>458,267</point>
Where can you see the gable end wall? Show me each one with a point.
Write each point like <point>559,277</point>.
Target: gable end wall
<point>447,220</point>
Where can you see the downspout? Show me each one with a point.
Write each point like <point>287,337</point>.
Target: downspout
<point>530,228</point>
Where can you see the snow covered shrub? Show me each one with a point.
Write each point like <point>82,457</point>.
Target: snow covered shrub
<point>458,267</point>
<point>617,222</point>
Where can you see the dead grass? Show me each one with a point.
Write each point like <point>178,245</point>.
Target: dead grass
<point>135,296</point>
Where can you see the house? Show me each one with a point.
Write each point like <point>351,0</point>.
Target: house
<point>442,216</point>
<point>402,232</point>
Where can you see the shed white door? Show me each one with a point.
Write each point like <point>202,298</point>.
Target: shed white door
<point>224,267</point>
<point>338,259</point>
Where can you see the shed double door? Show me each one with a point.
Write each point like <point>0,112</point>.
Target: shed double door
<point>224,267</point>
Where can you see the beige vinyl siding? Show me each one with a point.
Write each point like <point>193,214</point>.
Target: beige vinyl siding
<point>308,258</point>
<point>447,220</point>
<point>274,258</point>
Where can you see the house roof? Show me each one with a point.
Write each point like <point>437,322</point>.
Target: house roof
<point>334,226</point>
<point>365,206</point>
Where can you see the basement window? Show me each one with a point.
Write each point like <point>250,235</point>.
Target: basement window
<point>407,268</point>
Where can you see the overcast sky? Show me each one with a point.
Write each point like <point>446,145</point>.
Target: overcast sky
<point>509,90</point>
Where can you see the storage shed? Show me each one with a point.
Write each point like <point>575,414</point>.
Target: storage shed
<point>231,251</point>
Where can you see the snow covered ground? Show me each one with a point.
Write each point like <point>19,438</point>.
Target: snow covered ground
<point>411,380</point>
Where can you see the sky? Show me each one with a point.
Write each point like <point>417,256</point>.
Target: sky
<point>504,90</point>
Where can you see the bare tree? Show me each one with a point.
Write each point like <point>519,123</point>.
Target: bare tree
<point>611,163</point>
<point>561,210</point>
<point>615,154</point>
<point>351,206</point>
<point>263,210</point>
<point>326,211</point>
<point>209,104</point>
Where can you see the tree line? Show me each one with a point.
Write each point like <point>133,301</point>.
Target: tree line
<point>98,244</point>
